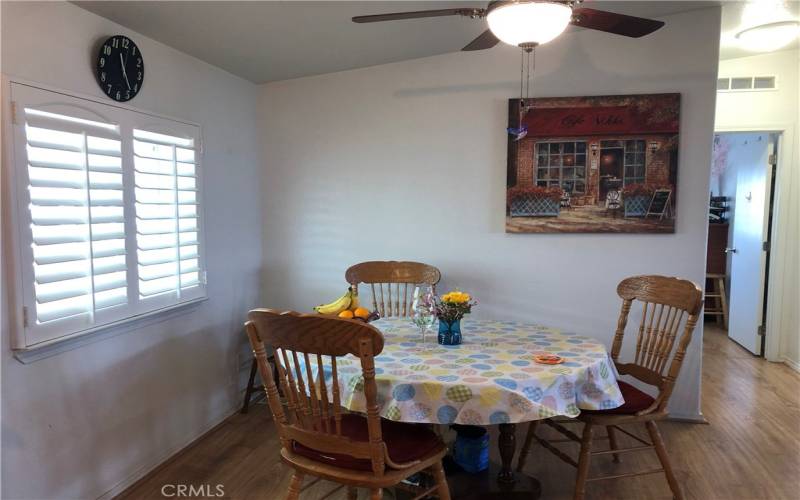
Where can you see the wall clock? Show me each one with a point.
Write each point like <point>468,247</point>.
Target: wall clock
<point>120,68</point>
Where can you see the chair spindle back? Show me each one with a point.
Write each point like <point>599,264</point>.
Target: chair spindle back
<point>312,415</point>
<point>669,306</point>
<point>389,283</point>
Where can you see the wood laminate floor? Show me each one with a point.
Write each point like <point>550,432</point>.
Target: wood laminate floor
<point>749,450</point>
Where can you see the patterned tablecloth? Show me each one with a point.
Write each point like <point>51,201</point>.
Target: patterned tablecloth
<point>491,378</point>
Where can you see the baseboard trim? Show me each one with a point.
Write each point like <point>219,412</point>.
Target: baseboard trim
<point>794,365</point>
<point>698,418</point>
<point>154,466</point>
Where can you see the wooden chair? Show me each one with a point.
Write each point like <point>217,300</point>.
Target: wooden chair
<point>380,273</point>
<point>566,199</point>
<point>317,438</point>
<point>613,202</point>
<point>667,304</point>
<point>390,275</point>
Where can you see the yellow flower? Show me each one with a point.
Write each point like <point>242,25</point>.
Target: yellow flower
<point>456,297</point>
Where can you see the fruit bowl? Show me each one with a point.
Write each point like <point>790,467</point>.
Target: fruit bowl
<point>365,319</point>
<point>360,314</point>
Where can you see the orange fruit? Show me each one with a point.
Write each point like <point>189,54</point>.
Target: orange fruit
<point>361,312</point>
<point>346,314</point>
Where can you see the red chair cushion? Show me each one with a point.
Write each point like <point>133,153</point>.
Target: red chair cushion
<point>405,443</point>
<point>635,400</point>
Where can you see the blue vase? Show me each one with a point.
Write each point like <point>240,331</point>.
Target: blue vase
<point>450,332</point>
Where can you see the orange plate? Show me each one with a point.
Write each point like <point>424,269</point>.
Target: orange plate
<point>548,359</point>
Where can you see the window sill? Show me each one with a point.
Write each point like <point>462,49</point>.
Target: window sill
<point>63,344</point>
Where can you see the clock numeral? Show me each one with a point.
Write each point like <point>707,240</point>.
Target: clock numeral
<point>102,62</point>
<point>119,95</point>
<point>134,50</point>
<point>107,50</point>
<point>115,42</point>
<point>136,87</point>
<point>140,76</point>
<point>138,62</point>
<point>103,76</point>
<point>109,89</point>
<point>127,94</point>
<point>124,43</point>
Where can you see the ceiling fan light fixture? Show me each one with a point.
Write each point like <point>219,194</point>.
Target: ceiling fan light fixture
<point>529,22</point>
<point>770,36</point>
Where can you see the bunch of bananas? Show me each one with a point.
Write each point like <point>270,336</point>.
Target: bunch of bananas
<point>348,301</point>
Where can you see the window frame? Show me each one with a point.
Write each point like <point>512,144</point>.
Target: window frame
<point>21,294</point>
<point>574,179</point>
<point>634,179</point>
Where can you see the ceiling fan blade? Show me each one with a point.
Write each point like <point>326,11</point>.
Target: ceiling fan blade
<point>396,16</point>
<point>610,22</point>
<point>485,40</point>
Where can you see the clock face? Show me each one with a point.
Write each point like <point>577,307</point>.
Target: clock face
<point>120,68</point>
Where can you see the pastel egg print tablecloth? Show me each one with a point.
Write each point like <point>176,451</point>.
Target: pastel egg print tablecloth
<point>491,378</point>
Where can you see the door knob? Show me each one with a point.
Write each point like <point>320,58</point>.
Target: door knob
<point>730,250</point>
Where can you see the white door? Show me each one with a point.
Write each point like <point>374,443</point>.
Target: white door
<point>747,255</point>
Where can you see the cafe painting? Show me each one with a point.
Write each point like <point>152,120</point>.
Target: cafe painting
<point>603,164</point>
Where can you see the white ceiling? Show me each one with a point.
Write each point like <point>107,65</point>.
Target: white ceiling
<point>268,40</point>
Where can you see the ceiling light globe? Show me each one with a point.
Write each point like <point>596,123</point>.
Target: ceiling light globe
<point>769,37</point>
<point>529,22</point>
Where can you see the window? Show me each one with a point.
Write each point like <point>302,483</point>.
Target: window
<point>747,83</point>
<point>166,214</point>
<point>107,213</point>
<point>562,164</point>
<point>633,163</point>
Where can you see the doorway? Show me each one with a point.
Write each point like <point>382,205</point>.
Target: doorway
<point>742,195</point>
<point>611,165</point>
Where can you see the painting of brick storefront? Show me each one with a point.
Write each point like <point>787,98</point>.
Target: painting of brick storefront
<point>593,164</point>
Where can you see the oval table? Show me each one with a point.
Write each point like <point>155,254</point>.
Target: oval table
<point>490,379</point>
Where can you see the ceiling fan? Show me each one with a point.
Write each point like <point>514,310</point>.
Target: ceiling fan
<point>528,23</point>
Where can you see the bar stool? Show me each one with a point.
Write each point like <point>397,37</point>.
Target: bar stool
<point>716,291</point>
<point>251,384</point>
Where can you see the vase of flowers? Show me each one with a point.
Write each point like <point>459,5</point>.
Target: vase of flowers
<point>449,309</point>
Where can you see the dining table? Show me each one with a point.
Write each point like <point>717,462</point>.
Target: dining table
<point>491,379</point>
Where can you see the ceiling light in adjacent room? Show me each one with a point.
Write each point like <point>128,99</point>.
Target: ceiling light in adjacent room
<point>528,23</point>
<point>769,37</point>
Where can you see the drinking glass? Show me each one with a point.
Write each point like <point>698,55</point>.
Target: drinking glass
<point>422,312</point>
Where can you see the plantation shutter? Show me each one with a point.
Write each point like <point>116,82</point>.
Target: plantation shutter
<point>73,185</point>
<point>107,214</point>
<point>167,228</point>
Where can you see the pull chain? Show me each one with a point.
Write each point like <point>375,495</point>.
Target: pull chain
<point>521,130</point>
<point>528,77</point>
<point>528,87</point>
<point>525,71</point>
<point>521,73</point>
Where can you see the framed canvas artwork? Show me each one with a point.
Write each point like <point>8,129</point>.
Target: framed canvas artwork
<point>602,164</point>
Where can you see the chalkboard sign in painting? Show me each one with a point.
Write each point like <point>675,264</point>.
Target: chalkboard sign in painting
<point>594,151</point>
<point>659,204</point>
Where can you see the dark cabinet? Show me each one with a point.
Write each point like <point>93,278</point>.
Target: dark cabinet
<point>716,259</point>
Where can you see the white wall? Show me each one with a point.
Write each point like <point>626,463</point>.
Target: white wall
<point>408,161</point>
<point>780,111</point>
<point>77,424</point>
